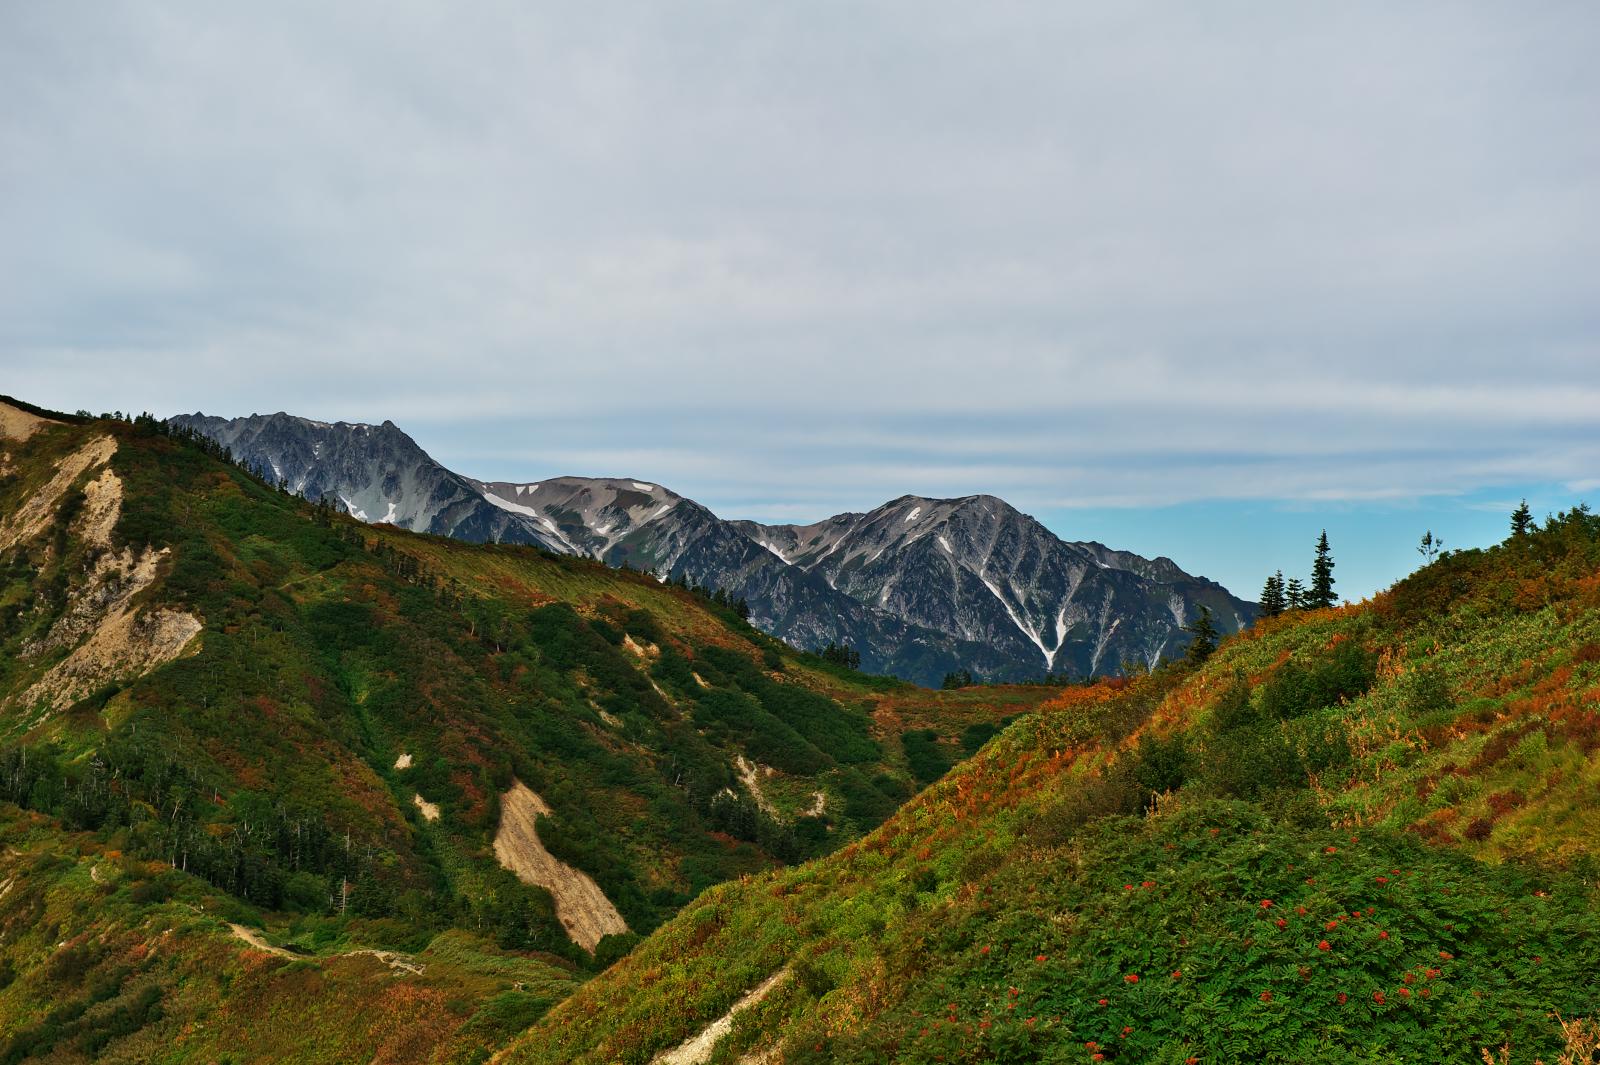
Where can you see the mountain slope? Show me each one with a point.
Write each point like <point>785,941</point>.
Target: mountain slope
<point>978,569</point>
<point>1352,835</point>
<point>919,587</point>
<point>242,708</point>
<point>375,472</point>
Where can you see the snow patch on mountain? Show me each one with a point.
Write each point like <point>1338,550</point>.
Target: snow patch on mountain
<point>1175,605</point>
<point>515,508</point>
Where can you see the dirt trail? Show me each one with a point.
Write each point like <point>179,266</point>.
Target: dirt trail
<point>397,962</point>
<point>582,908</point>
<point>253,938</point>
<point>18,424</point>
<point>697,1049</point>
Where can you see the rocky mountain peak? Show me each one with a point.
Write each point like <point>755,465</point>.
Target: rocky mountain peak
<point>919,585</point>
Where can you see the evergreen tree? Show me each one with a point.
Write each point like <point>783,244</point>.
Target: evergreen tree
<point>1294,595</point>
<point>1273,602</point>
<point>1205,637</point>
<point>961,678</point>
<point>1521,520</point>
<point>841,655</point>
<point>1321,592</point>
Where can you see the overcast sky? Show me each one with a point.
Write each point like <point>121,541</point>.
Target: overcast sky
<point>1203,278</point>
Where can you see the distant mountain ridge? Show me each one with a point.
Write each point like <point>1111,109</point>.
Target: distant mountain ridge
<point>918,586</point>
<point>977,568</point>
<point>377,473</point>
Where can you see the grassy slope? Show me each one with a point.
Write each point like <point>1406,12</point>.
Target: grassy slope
<point>264,762</point>
<point>121,960</point>
<point>1363,834</point>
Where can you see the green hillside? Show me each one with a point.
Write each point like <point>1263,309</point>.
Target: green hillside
<point>246,742</point>
<point>260,767</point>
<point>1354,835</point>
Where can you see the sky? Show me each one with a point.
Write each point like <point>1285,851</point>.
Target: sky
<point>1192,280</point>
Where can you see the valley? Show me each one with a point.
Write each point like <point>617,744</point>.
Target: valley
<point>280,784</point>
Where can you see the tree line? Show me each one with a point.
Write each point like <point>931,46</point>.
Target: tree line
<point>1279,596</point>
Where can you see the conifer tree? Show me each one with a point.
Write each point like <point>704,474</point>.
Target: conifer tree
<point>1204,635</point>
<point>1294,595</point>
<point>1273,602</point>
<point>1521,520</point>
<point>1321,591</point>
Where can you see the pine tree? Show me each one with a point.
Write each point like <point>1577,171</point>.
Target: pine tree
<point>1321,593</point>
<point>1272,596</point>
<point>1294,595</point>
<point>1521,520</point>
<point>1204,635</point>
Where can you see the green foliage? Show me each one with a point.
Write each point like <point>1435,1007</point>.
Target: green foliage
<point>1297,688</point>
<point>1162,765</point>
<point>1320,594</point>
<point>929,759</point>
<point>1521,519</point>
<point>975,735</point>
<point>840,655</point>
<point>1226,934</point>
<point>959,679</point>
<point>1295,596</point>
<point>1039,904</point>
<point>1203,637</point>
<point>1274,596</point>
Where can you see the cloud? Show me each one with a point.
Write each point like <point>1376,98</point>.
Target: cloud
<point>783,256</point>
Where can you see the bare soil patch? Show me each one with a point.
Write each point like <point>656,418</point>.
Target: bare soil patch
<point>18,424</point>
<point>36,513</point>
<point>750,777</point>
<point>582,908</point>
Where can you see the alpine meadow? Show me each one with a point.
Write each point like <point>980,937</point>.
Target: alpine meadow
<point>1038,533</point>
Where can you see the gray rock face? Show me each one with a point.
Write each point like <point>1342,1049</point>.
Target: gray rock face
<point>979,570</point>
<point>918,586</point>
<point>375,472</point>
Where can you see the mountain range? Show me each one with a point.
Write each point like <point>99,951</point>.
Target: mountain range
<point>473,774</point>
<point>918,587</point>
<point>277,784</point>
